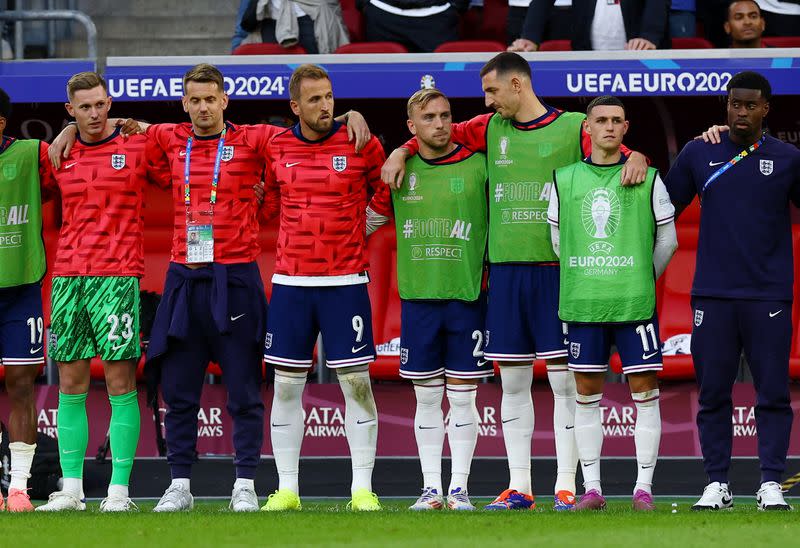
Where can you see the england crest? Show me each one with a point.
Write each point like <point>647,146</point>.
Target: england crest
<point>117,161</point>
<point>339,163</point>
<point>227,153</point>
<point>575,350</point>
<point>765,166</point>
<point>698,317</point>
<point>403,356</point>
<point>456,185</point>
<point>268,341</point>
<point>10,170</point>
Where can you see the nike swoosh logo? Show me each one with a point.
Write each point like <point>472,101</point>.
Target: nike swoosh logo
<point>569,427</point>
<point>365,422</point>
<point>509,420</point>
<point>359,349</point>
<point>481,363</point>
<point>646,467</point>
<point>427,427</point>
<point>279,425</point>
<point>773,314</point>
<point>589,463</point>
<point>65,452</point>
<point>234,318</point>
<point>119,346</point>
<point>122,461</point>
<point>712,164</point>
<point>465,424</point>
<point>35,350</point>
<point>291,164</point>
<point>182,153</point>
<point>648,356</point>
<point>67,166</point>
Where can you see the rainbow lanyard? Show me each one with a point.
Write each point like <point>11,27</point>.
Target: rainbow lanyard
<point>187,195</point>
<point>732,162</point>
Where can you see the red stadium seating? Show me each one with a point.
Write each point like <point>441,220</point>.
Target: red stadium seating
<point>372,47</point>
<point>555,45</point>
<point>691,43</point>
<point>781,41</point>
<point>268,49</point>
<point>794,356</point>
<point>470,46</point>
<point>353,20</point>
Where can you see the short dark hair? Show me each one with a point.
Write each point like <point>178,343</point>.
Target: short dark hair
<point>5,104</point>
<point>604,100</point>
<point>749,79</point>
<point>732,2</point>
<point>204,73</point>
<point>506,63</point>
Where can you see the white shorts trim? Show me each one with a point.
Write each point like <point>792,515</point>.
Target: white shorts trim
<point>421,374</point>
<point>287,362</point>
<point>22,361</point>
<point>509,357</point>
<point>552,354</point>
<point>321,281</point>
<point>641,368</point>
<point>588,368</point>
<point>349,362</point>
<point>468,374</point>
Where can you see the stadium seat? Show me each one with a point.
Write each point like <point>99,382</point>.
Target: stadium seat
<point>691,43</point>
<point>493,22</point>
<point>353,20</point>
<point>470,46</point>
<point>794,356</point>
<point>268,49</point>
<point>781,41</point>
<point>556,45</point>
<point>372,47</point>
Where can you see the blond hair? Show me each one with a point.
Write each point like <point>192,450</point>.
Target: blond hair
<point>303,72</point>
<point>204,73</point>
<point>422,98</point>
<point>84,80</point>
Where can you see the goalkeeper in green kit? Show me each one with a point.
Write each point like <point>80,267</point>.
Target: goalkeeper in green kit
<point>613,243</point>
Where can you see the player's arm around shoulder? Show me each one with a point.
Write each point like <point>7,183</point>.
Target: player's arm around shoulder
<point>379,209</point>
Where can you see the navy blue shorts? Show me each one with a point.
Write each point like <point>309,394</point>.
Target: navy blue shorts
<point>638,344</point>
<point>522,317</point>
<point>21,325</point>
<point>443,338</point>
<point>297,314</point>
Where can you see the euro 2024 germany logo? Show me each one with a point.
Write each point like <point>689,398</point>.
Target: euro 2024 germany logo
<point>600,214</point>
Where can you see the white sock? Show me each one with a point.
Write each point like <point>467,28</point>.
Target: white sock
<point>646,436</point>
<point>516,413</point>
<point>118,491</point>
<point>74,486</point>
<point>21,460</point>
<point>286,426</point>
<point>462,432</point>
<point>360,426</point>
<point>562,382</point>
<point>245,483</point>
<point>429,430</point>
<point>589,438</point>
<point>182,482</point>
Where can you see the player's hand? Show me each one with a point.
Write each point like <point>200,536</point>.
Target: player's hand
<point>258,188</point>
<point>358,129</point>
<point>523,44</point>
<point>130,126</point>
<point>638,44</point>
<point>62,144</point>
<point>635,170</point>
<point>713,134</point>
<point>394,168</point>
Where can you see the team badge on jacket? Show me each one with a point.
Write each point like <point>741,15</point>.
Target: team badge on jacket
<point>698,317</point>
<point>765,166</point>
<point>227,153</point>
<point>117,161</point>
<point>339,163</point>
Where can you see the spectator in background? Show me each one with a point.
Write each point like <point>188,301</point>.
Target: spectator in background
<point>603,25</point>
<point>420,25</point>
<point>239,33</point>
<point>316,25</point>
<point>745,25</point>
<point>683,19</point>
<point>782,18</point>
<point>556,26</point>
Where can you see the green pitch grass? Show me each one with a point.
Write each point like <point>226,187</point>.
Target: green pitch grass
<point>327,523</point>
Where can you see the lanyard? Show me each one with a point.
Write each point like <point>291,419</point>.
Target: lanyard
<point>187,196</point>
<point>733,161</point>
